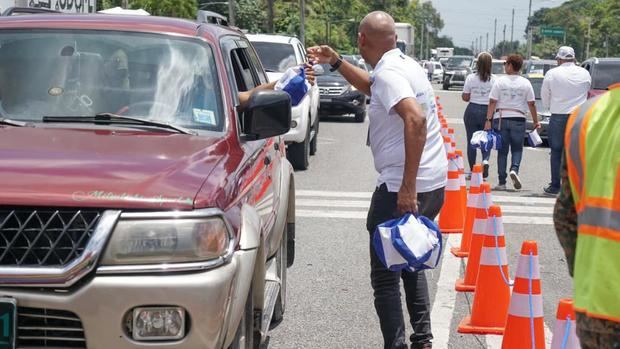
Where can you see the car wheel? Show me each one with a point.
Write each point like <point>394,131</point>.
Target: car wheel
<point>281,265</point>
<point>299,153</point>
<point>314,141</point>
<point>360,117</point>
<point>290,244</point>
<point>245,337</point>
<point>445,86</point>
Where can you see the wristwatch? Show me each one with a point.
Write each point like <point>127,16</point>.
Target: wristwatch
<point>336,65</point>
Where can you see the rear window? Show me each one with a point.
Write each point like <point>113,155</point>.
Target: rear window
<point>537,85</point>
<point>605,75</point>
<point>497,68</point>
<point>274,56</point>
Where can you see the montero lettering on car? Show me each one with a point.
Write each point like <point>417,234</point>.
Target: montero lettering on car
<point>114,224</point>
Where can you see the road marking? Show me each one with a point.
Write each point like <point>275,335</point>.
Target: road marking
<point>445,296</point>
<point>366,205</point>
<point>537,149</point>
<point>455,121</point>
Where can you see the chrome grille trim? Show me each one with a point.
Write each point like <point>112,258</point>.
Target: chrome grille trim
<point>68,274</point>
<point>49,328</point>
<point>331,90</point>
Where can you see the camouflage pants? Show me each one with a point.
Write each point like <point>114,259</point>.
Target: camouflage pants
<point>597,334</point>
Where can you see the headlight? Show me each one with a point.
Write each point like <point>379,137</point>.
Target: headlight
<point>352,88</point>
<point>144,241</point>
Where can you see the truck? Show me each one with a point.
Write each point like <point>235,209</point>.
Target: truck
<point>405,34</point>
<point>443,53</point>
<point>67,6</point>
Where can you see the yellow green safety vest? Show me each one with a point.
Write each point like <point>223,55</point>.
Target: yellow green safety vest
<point>593,161</point>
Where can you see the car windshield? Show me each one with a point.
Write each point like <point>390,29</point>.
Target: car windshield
<point>326,70</point>
<point>81,73</point>
<point>274,56</point>
<point>455,62</point>
<point>540,67</point>
<point>605,75</point>
<point>497,68</point>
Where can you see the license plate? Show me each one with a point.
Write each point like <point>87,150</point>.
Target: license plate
<point>326,100</point>
<point>8,317</point>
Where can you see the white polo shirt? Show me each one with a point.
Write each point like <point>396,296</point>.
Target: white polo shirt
<point>395,78</point>
<point>565,88</point>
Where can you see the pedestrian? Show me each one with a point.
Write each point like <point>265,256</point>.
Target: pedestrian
<point>430,69</point>
<point>587,217</point>
<point>563,89</point>
<point>476,91</point>
<point>408,152</point>
<point>510,98</point>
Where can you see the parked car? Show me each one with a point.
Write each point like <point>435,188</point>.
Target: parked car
<point>437,71</point>
<point>538,66</point>
<point>278,53</point>
<point>139,208</point>
<point>457,69</point>
<point>604,72</point>
<point>497,67</point>
<point>338,97</point>
<point>543,113</point>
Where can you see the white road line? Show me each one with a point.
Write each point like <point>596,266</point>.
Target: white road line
<point>445,297</point>
<point>368,195</point>
<point>537,149</point>
<point>493,342</point>
<point>363,214</point>
<point>455,121</point>
<point>366,205</point>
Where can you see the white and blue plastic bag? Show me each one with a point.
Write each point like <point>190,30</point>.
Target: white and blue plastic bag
<point>533,138</point>
<point>294,83</point>
<point>408,243</point>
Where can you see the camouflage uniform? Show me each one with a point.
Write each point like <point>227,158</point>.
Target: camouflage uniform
<point>593,333</point>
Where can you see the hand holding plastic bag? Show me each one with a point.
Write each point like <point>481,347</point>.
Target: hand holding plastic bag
<point>294,83</point>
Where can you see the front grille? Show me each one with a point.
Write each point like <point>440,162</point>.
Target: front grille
<point>44,237</point>
<point>48,328</point>
<point>331,91</point>
<point>458,77</point>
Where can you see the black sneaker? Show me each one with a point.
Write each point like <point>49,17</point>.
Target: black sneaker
<point>485,169</point>
<point>551,191</point>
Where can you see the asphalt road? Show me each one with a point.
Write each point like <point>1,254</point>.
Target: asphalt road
<point>330,302</point>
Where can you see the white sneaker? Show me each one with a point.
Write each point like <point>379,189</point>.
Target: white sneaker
<point>516,181</point>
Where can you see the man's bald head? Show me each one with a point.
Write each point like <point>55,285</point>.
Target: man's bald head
<point>379,27</point>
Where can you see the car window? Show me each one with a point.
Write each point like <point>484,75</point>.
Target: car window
<point>81,73</point>
<point>537,86</point>
<point>257,66</point>
<point>604,75</point>
<point>276,57</point>
<point>243,69</point>
<point>497,68</point>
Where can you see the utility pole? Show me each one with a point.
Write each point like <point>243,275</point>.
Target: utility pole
<point>512,29</point>
<point>495,33</point>
<point>124,4</point>
<point>428,44</point>
<point>504,41</point>
<point>302,21</point>
<point>476,52</point>
<point>529,43</point>
<point>270,14</point>
<point>480,43</point>
<point>588,43</point>
<point>487,48</point>
<point>231,12</point>
<point>422,39</point>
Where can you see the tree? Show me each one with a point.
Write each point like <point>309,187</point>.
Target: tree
<point>168,8</point>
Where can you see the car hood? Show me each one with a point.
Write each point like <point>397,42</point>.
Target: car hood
<point>104,168</point>
<point>331,80</point>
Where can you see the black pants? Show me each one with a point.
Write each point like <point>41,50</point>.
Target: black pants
<point>474,118</point>
<point>386,284</point>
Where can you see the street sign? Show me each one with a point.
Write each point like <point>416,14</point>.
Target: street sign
<point>552,31</point>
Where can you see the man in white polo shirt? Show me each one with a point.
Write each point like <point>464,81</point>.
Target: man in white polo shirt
<point>409,155</point>
<point>564,89</point>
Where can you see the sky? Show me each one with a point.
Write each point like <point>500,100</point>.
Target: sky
<point>466,20</point>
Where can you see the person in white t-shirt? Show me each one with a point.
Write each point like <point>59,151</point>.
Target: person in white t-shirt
<point>510,98</point>
<point>476,91</point>
<point>408,152</point>
<point>564,89</point>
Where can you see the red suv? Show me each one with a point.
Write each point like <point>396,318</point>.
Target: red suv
<point>139,208</point>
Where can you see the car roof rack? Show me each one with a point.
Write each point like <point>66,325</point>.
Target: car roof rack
<point>15,11</point>
<point>211,17</point>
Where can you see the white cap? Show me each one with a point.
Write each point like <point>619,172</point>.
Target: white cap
<point>565,52</point>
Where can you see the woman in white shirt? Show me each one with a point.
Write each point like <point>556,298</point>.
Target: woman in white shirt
<point>476,92</point>
<point>510,98</point>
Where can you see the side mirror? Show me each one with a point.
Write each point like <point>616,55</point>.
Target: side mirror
<point>268,114</point>
<point>318,70</point>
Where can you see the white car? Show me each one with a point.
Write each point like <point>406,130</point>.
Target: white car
<point>437,71</point>
<point>278,53</point>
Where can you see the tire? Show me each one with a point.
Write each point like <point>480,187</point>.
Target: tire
<point>282,265</point>
<point>360,117</point>
<point>299,153</point>
<point>290,244</point>
<point>245,338</point>
<point>314,141</point>
<point>445,86</point>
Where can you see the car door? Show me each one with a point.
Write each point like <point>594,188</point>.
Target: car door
<point>262,156</point>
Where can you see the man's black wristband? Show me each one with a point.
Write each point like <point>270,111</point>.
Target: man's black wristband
<point>336,65</point>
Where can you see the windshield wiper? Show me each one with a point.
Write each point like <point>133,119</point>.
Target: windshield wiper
<point>5,121</point>
<point>110,118</point>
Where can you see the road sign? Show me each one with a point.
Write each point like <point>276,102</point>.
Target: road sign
<point>552,31</point>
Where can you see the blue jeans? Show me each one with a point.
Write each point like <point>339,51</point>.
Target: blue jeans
<point>474,118</point>
<point>386,283</point>
<point>555,133</point>
<point>513,135</point>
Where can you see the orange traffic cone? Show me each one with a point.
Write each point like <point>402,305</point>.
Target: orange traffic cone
<point>462,181</point>
<point>447,145</point>
<point>488,314</point>
<point>470,212</point>
<point>453,146</point>
<point>451,214</point>
<point>444,128</point>
<point>468,283</point>
<point>451,135</point>
<point>564,333</point>
<point>525,324</point>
